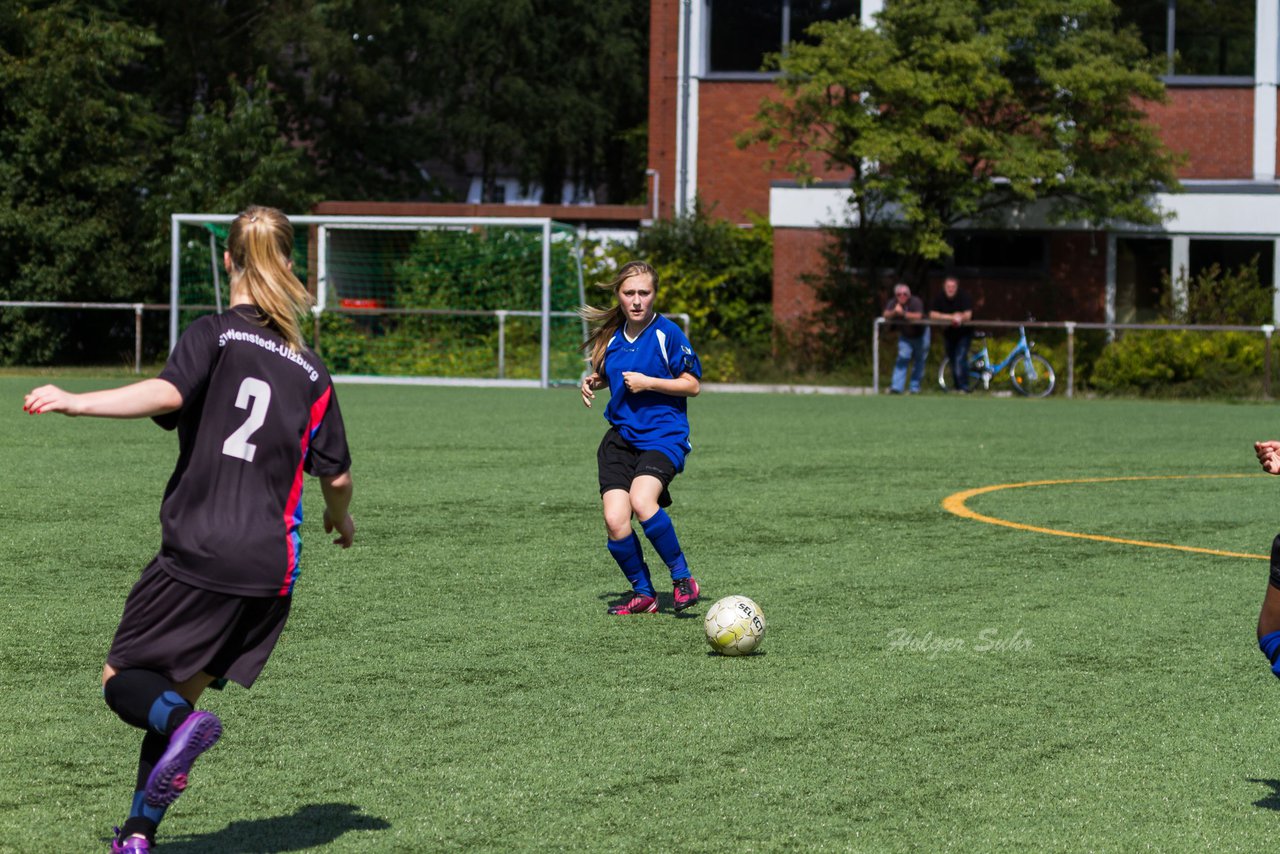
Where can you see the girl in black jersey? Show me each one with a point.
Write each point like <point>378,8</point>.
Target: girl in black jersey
<point>255,410</point>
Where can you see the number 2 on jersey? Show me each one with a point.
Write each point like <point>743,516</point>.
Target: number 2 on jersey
<point>238,444</point>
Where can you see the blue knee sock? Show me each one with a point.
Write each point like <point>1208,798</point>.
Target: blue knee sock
<point>145,699</point>
<point>161,716</point>
<point>143,817</point>
<point>1270,646</point>
<point>143,810</point>
<point>630,559</point>
<point>662,534</point>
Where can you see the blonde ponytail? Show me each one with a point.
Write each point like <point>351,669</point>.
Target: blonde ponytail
<point>261,246</point>
<point>604,322</point>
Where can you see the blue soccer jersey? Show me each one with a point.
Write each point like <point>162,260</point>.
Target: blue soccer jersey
<point>651,420</point>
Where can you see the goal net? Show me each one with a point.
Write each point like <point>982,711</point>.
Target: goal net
<point>468,300</point>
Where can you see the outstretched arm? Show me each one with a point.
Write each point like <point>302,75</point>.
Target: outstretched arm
<point>137,400</point>
<point>337,491</point>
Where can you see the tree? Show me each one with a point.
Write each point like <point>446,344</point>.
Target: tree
<point>548,89</point>
<point>229,157</point>
<point>954,111</point>
<point>591,64</point>
<point>353,75</point>
<point>116,113</point>
<point>73,150</point>
<point>384,94</point>
<point>717,272</point>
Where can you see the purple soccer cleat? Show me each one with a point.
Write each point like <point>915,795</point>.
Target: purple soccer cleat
<point>168,779</point>
<point>132,845</point>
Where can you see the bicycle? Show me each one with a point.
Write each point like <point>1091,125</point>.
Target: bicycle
<point>1031,373</point>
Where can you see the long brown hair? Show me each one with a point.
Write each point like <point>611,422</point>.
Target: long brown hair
<point>606,321</point>
<point>261,246</point>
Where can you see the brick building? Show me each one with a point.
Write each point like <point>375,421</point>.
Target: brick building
<point>1222,65</point>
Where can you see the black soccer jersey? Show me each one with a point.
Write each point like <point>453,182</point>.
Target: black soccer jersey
<point>255,416</point>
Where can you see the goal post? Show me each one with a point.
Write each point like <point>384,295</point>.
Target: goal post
<point>476,300</point>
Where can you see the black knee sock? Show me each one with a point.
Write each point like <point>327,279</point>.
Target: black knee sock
<point>144,818</point>
<point>153,746</point>
<point>138,824</point>
<point>145,699</point>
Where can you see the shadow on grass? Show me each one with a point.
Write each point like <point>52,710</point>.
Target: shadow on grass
<point>1270,801</point>
<point>309,827</point>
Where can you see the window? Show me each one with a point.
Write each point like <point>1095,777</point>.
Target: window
<point>1197,38</point>
<point>1000,252</point>
<point>743,31</point>
<point>1142,279</point>
<point>1232,256</point>
<point>805,13</point>
<point>1142,270</point>
<point>1242,292</point>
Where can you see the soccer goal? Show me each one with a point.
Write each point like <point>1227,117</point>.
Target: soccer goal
<point>432,300</point>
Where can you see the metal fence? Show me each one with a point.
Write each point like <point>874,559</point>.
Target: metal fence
<point>1071,327</point>
<point>138,308</point>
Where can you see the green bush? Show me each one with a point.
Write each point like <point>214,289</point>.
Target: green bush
<point>1181,363</point>
<point>417,346</point>
<point>718,273</point>
<point>1235,297</point>
<point>487,269</point>
<point>451,270</point>
<point>1188,363</point>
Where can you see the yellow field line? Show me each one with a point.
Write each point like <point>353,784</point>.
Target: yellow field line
<point>956,504</point>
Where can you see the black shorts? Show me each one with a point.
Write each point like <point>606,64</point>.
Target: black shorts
<point>178,630</point>
<point>620,462</point>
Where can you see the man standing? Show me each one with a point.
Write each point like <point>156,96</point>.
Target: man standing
<point>956,306</point>
<point>904,311</point>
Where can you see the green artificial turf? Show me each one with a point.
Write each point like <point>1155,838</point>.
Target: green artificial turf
<point>928,682</point>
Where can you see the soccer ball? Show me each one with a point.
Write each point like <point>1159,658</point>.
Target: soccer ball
<point>734,626</point>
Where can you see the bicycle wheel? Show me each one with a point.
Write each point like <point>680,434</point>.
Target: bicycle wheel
<point>1032,376</point>
<point>946,381</point>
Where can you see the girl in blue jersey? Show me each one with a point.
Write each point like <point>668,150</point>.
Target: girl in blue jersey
<point>1268,454</point>
<point>255,410</point>
<point>651,371</point>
